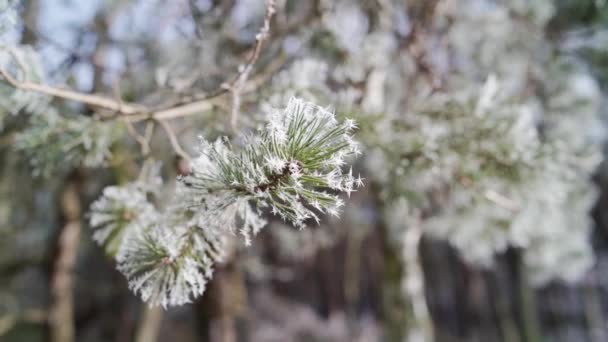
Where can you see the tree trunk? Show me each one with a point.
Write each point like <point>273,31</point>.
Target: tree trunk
<point>222,307</point>
<point>61,311</point>
<point>420,325</point>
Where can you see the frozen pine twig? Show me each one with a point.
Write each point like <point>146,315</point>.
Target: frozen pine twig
<point>293,167</point>
<point>237,85</point>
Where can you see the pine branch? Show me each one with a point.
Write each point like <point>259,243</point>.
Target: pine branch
<point>285,167</point>
<point>92,100</point>
<point>173,140</point>
<point>108,108</point>
<point>290,166</point>
<point>236,86</point>
<point>132,112</point>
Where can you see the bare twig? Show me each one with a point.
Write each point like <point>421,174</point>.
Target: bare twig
<point>149,131</point>
<point>92,100</point>
<point>175,112</point>
<point>137,112</point>
<point>132,112</point>
<point>263,77</point>
<point>501,200</point>
<point>305,24</point>
<point>236,105</point>
<point>236,86</point>
<point>173,139</point>
<point>143,142</point>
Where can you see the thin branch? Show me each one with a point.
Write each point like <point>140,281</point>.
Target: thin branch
<point>236,105</point>
<point>238,83</point>
<point>176,112</point>
<point>92,100</point>
<point>132,112</point>
<point>502,201</point>
<point>137,112</point>
<point>173,139</point>
<point>149,131</point>
<point>144,143</point>
<point>305,24</point>
<point>263,77</point>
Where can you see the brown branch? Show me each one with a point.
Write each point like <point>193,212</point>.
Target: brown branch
<point>137,112</point>
<point>173,139</point>
<point>238,83</point>
<point>502,201</point>
<point>92,100</point>
<point>263,77</point>
<point>131,112</point>
<point>236,86</point>
<point>305,23</point>
<point>176,112</point>
<point>144,143</point>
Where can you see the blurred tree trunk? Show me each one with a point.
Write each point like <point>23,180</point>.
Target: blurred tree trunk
<point>61,311</point>
<point>393,306</point>
<point>420,325</point>
<point>149,325</point>
<point>30,21</point>
<point>222,307</point>
<point>526,297</point>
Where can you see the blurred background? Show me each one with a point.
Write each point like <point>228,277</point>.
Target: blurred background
<point>484,215</point>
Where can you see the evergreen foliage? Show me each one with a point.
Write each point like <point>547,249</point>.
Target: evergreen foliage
<point>484,132</point>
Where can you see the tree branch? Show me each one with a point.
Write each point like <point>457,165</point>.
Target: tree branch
<point>131,112</point>
<point>502,201</point>
<point>92,100</point>
<point>138,112</point>
<point>173,139</point>
<point>238,83</point>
